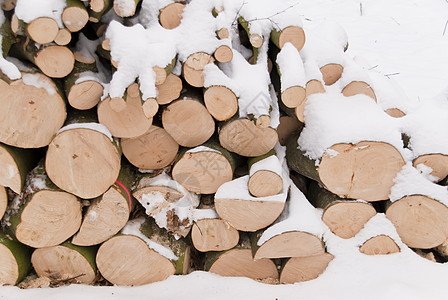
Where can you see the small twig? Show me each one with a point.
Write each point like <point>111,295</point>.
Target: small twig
<point>360,8</point>
<point>392,74</point>
<point>444,30</point>
<point>238,13</point>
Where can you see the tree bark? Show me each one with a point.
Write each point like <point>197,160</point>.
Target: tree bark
<point>14,259</point>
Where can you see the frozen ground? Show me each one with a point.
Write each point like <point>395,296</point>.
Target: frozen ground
<point>403,39</point>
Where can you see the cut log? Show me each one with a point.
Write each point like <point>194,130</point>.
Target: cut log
<point>221,102</point>
<point>291,34</point>
<point>286,127</point>
<point>130,259</point>
<point>299,269</point>
<point>63,37</point>
<point>312,87</point>
<point>41,30</point>
<point>109,213</point>
<point>99,8</point>
<point>331,73</point>
<point>9,5</point>
<point>345,218</point>
<point>30,115</point>
<point>14,260</point>
<point>150,107</point>
<point>15,165</point>
<point>155,149</point>
<point>265,175</point>
<point>163,72</point>
<point>213,235</point>
<point>75,15</point>
<point>437,162</point>
<point>379,245</point>
<point>293,96</point>
<point>255,39</point>
<point>358,87</point>
<point>188,122</point>
<point>243,137</point>
<point>420,221</point>
<point>131,121</point>
<point>205,168</point>
<point>169,90</point>
<point>362,171</point>
<point>243,211</point>
<point>193,67</point>
<point>125,8</point>
<point>44,216</point>
<point>223,54</point>
<point>171,15</point>
<point>238,262</point>
<point>3,201</point>
<point>82,159</point>
<point>100,5</point>
<point>395,112</point>
<point>66,263</point>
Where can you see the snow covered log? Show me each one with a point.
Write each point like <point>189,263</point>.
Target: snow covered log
<point>66,263</point>
<point>299,269</point>
<point>14,259</point>
<point>142,254</point>
<point>42,30</point>
<point>108,214</point>
<point>170,15</point>
<point>43,215</point>
<point>83,158</point>
<point>213,235</point>
<point>169,90</point>
<point>194,66</point>
<point>265,175</point>
<point>379,245</point>
<point>344,217</point>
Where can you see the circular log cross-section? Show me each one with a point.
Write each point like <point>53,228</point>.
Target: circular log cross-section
<point>221,102</point>
<point>346,218</point>
<point>287,126</point>
<point>169,90</point>
<point>293,96</point>
<point>421,222</point>
<point>155,149</point>
<point>379,245</point>
<point>83,162</point>
<point>202,172</point>
<point>223,54</point>
<point>331,73</point>
<point>30,116</point>
<point>299,269</point>
<point>291,34</point>
<point>50,218</point>
<point>362,171</point>
<point>243,137</point>
<point>127,260</point>
<point>43,30</point>
<point>85,95</point>
<point>63,37</point>
<point>358,87</point>
<point>437,162</point>
<point>61,263</point>
<point>290,244</point>
<point>188,122</point>
<point>239,263</point>
<point>55,61</point>
<point>193,67</point>
<point>104,218</point>
<point>75,17</point>
<point>213,235</point>
<point>265,183</point>
<point>171,15</point>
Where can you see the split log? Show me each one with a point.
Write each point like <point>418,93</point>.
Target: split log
<point>169,90</point>
<point>290,34</point>
<point>170,16</point>
<point>213,235</point>
<point>344,217</point>
<point>188,122</point>
<point>75,15</point>
<point>109,213</point>
<point>193,67</point>
<point>379,245</point>
<point>265,175</point>
<point>43,215</point>
<point>437,162</point>
<point>368,176</point>
<point>234,204</point>
<point>205,168</point>
<point>142,254</point>
<point>220,102</point>
<point>421,221</point>
<point>83,159</point>
<point>299,269</point>
<point>125,8</point>
<point>15,164</point>
<point>243,137</point>
<point>53,60</point>
<point>14,259</point>
<point>155,149</point>
<point>238,262</point>
<point>131,121</point>
<point>33,111</point>
<point>66,263</point>
<point>168,202</point>
<point>42,30</point>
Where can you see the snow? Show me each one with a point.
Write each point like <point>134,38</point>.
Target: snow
<point>39,81</point>
<point>291,67</point>
<point>92,126</point>
<point>202,149</point>
<point>28,10</point>
<point>7,67</point>
<point>270,163</point>
<point>204,213</point>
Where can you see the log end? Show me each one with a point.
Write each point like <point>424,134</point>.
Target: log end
<point>85,95</point>
<point>331,73</point>
<point>213,235</point>
<point>379,245</point>
<point>299,269</point>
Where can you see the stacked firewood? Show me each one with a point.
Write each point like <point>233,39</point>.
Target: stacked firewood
<point>202,135</point>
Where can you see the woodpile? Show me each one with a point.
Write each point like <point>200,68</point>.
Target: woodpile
<point>142,140</point>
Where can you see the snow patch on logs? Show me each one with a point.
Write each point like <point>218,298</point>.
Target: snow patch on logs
<point>291,67</point>
<point>28,10</point>
<point>133,228</point>
<point>92,126</point>
<point>39,81</point>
